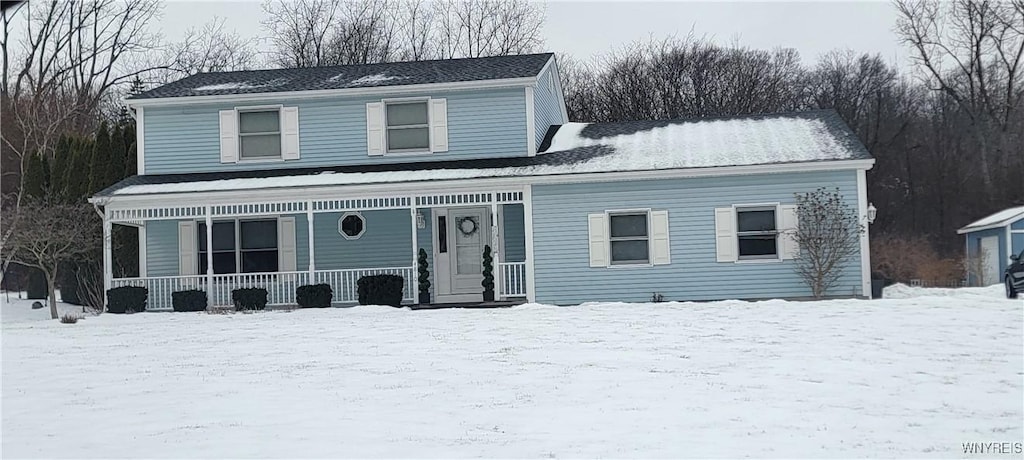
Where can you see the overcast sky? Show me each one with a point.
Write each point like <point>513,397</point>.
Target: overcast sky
<point>585,29</point>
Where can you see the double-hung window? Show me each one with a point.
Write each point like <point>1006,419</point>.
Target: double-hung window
<point>259,134</point>
<point>629,238</point>
<point>408,126</point>
<point>757,234</point>
<point>242,246</point>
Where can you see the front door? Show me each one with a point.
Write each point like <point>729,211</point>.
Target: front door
<point>470,230</point>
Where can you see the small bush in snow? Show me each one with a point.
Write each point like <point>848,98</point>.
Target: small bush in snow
<point>314,296</point>
<point>190,300</point>
<point>127,299</point>
<point>69,319</point>
<point>249,299</point>
<point>657,297</point>
<point>381,290</point>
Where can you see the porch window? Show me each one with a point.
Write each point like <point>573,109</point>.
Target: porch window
<point>757,233</point>
<point>408,126</point>
<point>248,244</point>
<point>629,238</point>
<point>259,135</point>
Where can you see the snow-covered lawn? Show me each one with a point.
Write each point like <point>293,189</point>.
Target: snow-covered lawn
<point>910,377</point>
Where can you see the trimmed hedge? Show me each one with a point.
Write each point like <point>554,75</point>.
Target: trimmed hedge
<point>381,290</point>
<point>127,299</point>
<point>249,298</point>
<point>190,300</point>
<point>314,296</point>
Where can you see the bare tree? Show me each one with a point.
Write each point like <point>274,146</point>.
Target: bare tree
<point>300,30</point>
<point>54,79</point>
<point>828,235</point>
<point>52,233</point>
<point>209,49</point>
<point>973,51</point>
<point>975,264</point>
<point>306,33</point>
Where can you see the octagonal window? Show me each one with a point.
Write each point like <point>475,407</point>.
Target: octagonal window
<point>352,225</point>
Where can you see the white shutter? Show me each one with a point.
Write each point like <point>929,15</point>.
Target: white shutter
<point>598,224</point>
<point>187,264</point>
<point>788,222</point>
<point>438,125</point>
<point>725,235</point>
<point>228,136</point>
<point>375,128</point>
<point>286,244</point>
<point>660,250</point>
<point>290,133</point>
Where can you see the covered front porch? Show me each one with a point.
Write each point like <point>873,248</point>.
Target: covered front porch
<point>281,245</point>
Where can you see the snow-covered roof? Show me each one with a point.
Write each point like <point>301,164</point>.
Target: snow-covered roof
<point>573,148</point>
<point>698,143</point>
<point>999,219</point>
<point>352,76</point>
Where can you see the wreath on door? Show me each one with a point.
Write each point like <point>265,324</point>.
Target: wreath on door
<point>467,226</point>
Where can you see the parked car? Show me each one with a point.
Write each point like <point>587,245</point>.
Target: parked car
<point>1014,276</point>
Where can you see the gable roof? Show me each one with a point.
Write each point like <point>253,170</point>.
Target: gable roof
<point>352,76</point>
<point>575,148</point>
<point>997,220</point>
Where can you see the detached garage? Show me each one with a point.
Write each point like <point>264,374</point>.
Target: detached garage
<point>990,242</point>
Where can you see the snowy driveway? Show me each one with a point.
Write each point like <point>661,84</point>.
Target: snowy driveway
<point>912,377</point>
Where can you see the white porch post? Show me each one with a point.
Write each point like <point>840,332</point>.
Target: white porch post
<point>415,250</point>
<point>496,262</point>
<point>531,286</point>
<point>209,258</point>
<point>108,253</point>
<point>309,236</point>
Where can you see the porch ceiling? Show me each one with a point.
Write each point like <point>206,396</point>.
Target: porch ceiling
<point>135,214</point>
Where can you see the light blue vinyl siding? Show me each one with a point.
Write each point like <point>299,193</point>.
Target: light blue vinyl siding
<point>387,241</point>
<point>546,105</point>
<point>515,236</point>
<point>162,246</point>
<point>1018,225</point>
<point>561,251</point>
<point>1018,242</point>
<point>332,132</point>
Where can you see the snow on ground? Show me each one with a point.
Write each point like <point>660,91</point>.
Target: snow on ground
<point>912,377</point>
<point>19,310</point>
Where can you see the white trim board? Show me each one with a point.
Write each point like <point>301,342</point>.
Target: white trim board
<point>473,184</point>
<point>865,241</point>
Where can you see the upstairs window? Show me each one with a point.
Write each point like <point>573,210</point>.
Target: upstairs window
<point>408,126</point>
<point>259,134</point>
<point>757,233</point>
<point>628,238</point>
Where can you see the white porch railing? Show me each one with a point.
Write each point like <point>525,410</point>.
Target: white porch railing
<point>513,279</point>
<point>344,282</point>
<point>161,287</point>
<point>280,286</point>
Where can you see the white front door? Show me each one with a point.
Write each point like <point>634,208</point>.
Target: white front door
<point>469,231</point>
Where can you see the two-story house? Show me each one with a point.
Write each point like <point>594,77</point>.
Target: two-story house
<point>280,178</point>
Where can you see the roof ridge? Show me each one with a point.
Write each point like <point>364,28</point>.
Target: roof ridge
<point>368,64</point>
